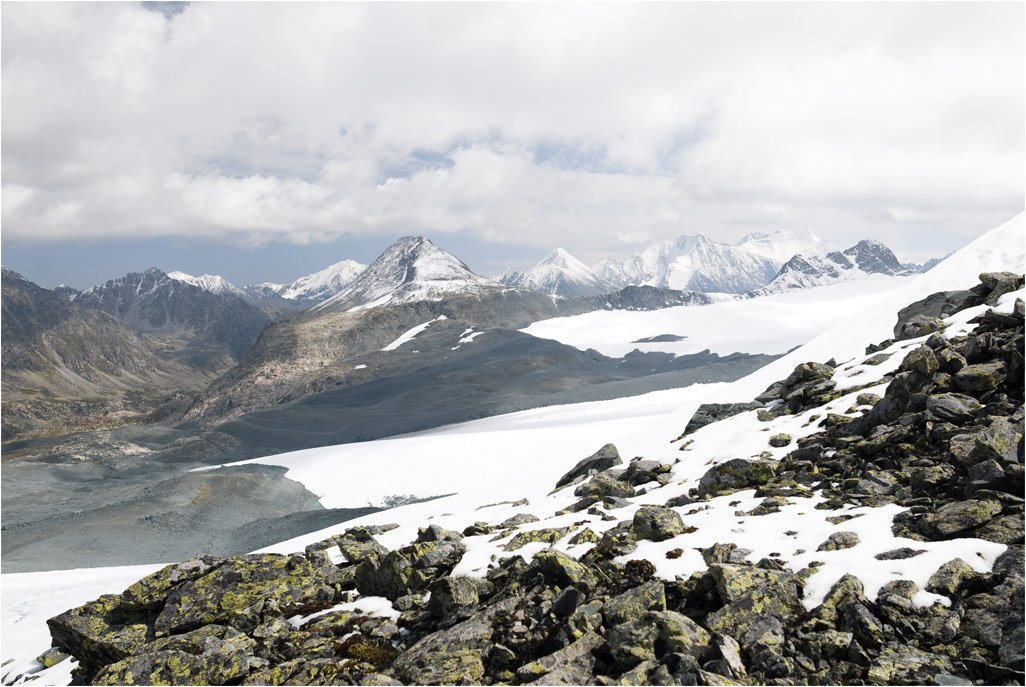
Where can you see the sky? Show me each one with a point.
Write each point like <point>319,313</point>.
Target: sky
<point>264,141</point>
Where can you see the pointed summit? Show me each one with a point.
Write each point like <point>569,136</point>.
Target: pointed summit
<point>411,269</point>
<point>559,274</point>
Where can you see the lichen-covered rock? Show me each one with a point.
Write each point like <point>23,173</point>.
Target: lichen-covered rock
<point>955,408</point>
<point>839,540</point>
<point>409,569</point>
<point>565,571</point>
<point>809,372</point>
<point>436,533</point>
<point>450,594</point>
<point>960,516</point>
<point>548,535</point>
<point>230,593</point>
<point>151,592</point>
<point>571,665</point>
<point>657,523</point>
<point>453,656</point>
<point>98,633</point>
<point>518,520</point>
<point>916,326</point>
<point>921,360</point>
<point>736,474</point>
<point>950,577</point>
<point>636,602</point>
<point>603,459</point>
<point>980,378</point>
<point>358,545</point>
<point>210,655</point>
<point>903,664</point>
<point>52,656</point>
<point>750,592</point>
<point>603,484</point>
<point>780,440</point>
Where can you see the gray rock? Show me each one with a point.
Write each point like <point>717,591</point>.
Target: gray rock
<point>736,474</point>
<point>780,440</point>
<point>452,594</point>
<point>955,408</point>
<point>634,603</point>
<point>603,484</point>
<point>571,665</point>
<point>950,577</point>
<point>960,516</point>
<point>839,540</point>
<point>657,523</point>
<point>603,459</point>
<point>707,413</point>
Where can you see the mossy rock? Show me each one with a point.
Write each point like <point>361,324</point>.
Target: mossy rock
<point>547,535</point>
<point>233,593</point>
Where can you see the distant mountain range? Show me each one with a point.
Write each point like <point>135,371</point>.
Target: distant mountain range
<point>414,268</point>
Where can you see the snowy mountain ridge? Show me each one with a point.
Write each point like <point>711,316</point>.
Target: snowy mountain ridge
<point>214,283</point>
<point>803,271</point>
<point>322,284</point>
<point>695,262</point>
<point>558,274</point>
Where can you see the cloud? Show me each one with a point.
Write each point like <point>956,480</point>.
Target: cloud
<point>589,126</point>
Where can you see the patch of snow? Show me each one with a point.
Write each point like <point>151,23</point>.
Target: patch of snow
<point>360,367</point>
<point>411,333</point>
<point>773,324</point>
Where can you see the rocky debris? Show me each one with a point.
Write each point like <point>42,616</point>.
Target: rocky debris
<point>951,456</point>
<point>780,440</point>
<point>603,459</point>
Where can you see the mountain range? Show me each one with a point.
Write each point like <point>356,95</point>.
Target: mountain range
<point>297,338</point>
<point>691,262</point>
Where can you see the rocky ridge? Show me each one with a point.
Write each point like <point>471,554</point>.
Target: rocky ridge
<point>927,442</point>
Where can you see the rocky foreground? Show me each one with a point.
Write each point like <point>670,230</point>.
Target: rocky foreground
<point>944,443</point>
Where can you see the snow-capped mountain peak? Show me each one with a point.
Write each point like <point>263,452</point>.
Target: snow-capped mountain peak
<point>411,269</point>
<point>865,258</point>
<point>781,246</point>
<point>693,262</point>
<point>322,284</point>
<point>559,274</point>
<point>214,283</point>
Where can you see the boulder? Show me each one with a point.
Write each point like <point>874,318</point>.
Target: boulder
<point>634,603</point>
<point>565,571</point>
<point>657,523</point>
<point>959,516</point>
<point>780,440</point>
<point>452,594</point>
<point>736,474</point>
<point>213,654</point>
<point>603,484</point>
<point>603,459</point>
<point>950,577</point>
<point>571,665</point>
<point>547,535</point>
<point>707,413</point>
<point>955,408</point>
<point>839,540</point>
<point>409,569</point>
<point>980,378</point>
